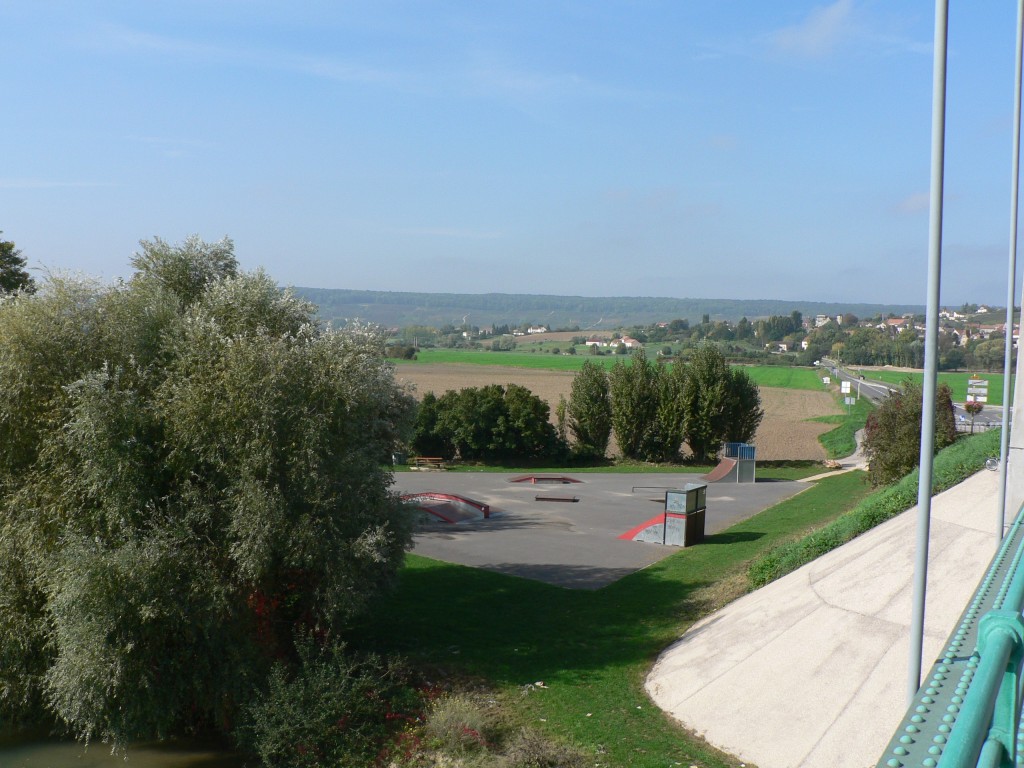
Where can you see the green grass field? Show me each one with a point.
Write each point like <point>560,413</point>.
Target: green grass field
<point>783,377</point>
<point>516,359</point>
<point>763,375</point>
<point>956,381</point>
<point>593,649</point>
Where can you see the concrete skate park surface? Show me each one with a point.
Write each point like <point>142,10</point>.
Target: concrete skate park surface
<point>569,543</point>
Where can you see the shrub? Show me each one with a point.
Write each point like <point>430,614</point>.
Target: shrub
<point>334,709</point>
<point>893,431</point>
<point>530,749</point>
<point>493,422</point>
<point>457,722</point>
<point>190,468</point>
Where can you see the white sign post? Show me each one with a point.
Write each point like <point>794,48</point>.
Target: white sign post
<point>977,392</point>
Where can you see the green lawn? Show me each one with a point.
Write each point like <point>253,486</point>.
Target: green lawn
<point>592,650</point>
<point>763,375</point>
<point>785,377</point>
<point>956,381</point>
<point>545,361</point>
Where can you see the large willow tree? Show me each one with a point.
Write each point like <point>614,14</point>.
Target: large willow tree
<point>191,478</point>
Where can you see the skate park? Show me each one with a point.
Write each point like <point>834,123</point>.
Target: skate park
<point>565,530</point>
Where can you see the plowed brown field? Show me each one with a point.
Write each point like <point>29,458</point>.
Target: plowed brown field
<point>785,432</point>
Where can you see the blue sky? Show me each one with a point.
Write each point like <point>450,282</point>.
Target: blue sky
<point>685,148</point>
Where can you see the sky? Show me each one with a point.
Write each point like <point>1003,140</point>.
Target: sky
<point>683,148</point>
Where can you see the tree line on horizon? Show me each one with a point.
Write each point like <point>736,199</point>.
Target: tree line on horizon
<point>396,309</point>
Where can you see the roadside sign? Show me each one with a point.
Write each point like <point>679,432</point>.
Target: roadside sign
<point>977,398</point>
<point>845,387</point>
<point>851,400</point>
<point>826,380</point>
<point>977,390</point>
<point>977,382</point>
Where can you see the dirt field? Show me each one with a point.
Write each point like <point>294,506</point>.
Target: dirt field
<point>784,433</point>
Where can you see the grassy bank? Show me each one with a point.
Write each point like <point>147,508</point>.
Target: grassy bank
<point>842,439</point>
<point>591,650</point>
<point>952,465</point>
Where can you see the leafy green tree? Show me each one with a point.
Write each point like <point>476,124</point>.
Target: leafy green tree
<point>973,408</point>
<point>527,429</point>
<point>13,275</point>
<point>487,423</point>
<point>191,477</point>
<point>892,439</point>
<point>705,398</point>
<point>429,438</point>
<point>743,411</point>
<point>589,411</point>
<point>665,436</point>
<point>635,394</point>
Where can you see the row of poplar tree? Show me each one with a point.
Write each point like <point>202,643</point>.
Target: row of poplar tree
<point>652,409</point>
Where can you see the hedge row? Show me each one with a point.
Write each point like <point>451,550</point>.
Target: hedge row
<point>952,465</point>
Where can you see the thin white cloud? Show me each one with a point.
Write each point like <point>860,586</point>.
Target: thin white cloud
<point>316,66</point>
<point>842,23</point>
<point>452,232</point>
<point>486,75</point>
<point>49,184</point>
<point>819,34</point>
<point>915,203</point>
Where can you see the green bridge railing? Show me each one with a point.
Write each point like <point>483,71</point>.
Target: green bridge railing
<point>968,711</point>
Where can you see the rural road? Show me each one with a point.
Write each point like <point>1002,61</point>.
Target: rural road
<point>991,416</point>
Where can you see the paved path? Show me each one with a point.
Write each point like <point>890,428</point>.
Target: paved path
<point>811,670</point>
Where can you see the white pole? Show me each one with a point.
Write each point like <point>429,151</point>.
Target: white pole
<point>931,346</point>
<point>1011,283</point>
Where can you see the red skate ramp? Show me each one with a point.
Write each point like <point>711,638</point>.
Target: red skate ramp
<point>448,507</point>
<point>726,470</point>
<point>652,530</point>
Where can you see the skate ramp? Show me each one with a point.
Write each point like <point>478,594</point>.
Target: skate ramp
<point>447,507</point>
<point>726,470</point>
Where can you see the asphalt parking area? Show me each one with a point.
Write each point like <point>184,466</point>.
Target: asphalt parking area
<point>572,544</point>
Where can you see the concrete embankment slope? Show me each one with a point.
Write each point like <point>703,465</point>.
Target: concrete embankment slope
<point>811,670</point>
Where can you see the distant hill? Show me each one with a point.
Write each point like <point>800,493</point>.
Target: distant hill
<point>395,309</point>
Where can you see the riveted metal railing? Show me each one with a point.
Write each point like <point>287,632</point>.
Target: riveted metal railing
<point>968,711</point>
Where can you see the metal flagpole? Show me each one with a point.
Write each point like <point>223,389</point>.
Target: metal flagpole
<point>1011,282</point>
<point>924,487</point>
